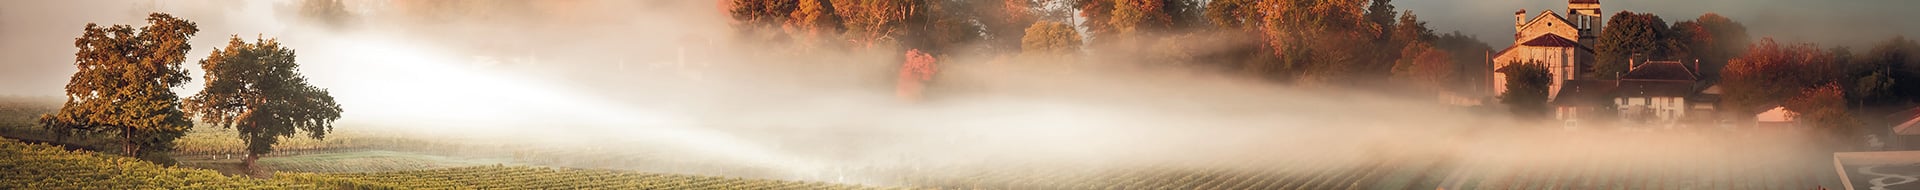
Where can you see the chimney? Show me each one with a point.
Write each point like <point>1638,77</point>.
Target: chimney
<point>1633,61</point>
<point>1519,18</point>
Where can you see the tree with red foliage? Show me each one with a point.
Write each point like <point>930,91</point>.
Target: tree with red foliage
<point>914,75</point>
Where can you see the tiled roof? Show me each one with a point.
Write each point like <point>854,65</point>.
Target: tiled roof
<point>1546,40</point>
<point>1906,122</point>
<point>1660,70</point>
<point>1551,40</point>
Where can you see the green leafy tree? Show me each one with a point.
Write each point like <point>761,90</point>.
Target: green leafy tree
<point>1628,34</point>
<point>1527,88</point>
<point>124,84</point>
<point>257,89</point>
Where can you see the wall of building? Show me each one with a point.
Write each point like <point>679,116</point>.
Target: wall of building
<point>1560,61</point>
<point>1544,25</point>
<point>1663,108</point>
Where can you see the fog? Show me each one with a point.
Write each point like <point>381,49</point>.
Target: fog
<point>664,80</point>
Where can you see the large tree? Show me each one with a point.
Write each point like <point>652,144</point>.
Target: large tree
<point>1770,73</point>
<point>1887,75</point>
<point>1133,17</point>
<point>871,23</point>
<point>1527,89</point>
<point>1712,39</point>
<point>1424,67</point>
<point>257,89</point>
<point>1825,107</point>
<point>1050,38</point>
<point>1630,34</point>
<point>813,22</point>
<point>124,84</point>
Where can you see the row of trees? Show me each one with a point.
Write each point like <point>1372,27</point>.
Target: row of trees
<point>1302,41</point>
<point>125,80</point>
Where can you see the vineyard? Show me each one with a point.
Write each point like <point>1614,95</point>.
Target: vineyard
<point>39,166</point>
<point>34,166</point>
<point>525,177</point>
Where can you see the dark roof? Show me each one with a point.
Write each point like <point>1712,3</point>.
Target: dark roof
<point>1583,1</point>
<point>1547,40</point>
<point>1585,93</point>
<point>1906,122</point>
<point>1660,70</point>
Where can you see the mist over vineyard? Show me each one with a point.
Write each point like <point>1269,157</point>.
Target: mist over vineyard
<point>667,86</point>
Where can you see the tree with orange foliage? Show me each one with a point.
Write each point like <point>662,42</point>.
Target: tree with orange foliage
<point>812,21</point>
<point>914,75</point>
<point>872,22</point>
<point>1131,17</point>
<point>1770,72</point>
<point>1825,107</point>
<point>1425,67</point>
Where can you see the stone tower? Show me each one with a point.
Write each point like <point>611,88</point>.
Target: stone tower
<point>1585,15</point>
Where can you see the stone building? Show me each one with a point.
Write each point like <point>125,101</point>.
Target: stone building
<point>1563,43</point>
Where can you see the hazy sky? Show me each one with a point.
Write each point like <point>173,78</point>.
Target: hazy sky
<point>36,36</point>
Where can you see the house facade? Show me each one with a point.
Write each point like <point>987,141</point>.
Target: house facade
<point>1562,43</point>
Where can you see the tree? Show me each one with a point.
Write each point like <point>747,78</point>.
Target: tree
<point>812,21</point>
<point>1405,33</point>
<point>1006,24</point>
<point>1326,41</point>
<point>760,18</point>
<point>331,13</point>
<point>124,83</point>
<point>1469,58</point>
<point>1098,14</point>
<point>1132,17</point>
<point>877,22</point>
<point>914,74</point>
<point>1888,75</point>
<point>1628,34</point>
<point>1231,14</point>
<point>257,89</point>
<point>1825,107</point>
<point>1426,68</point>
<point>1770,72</point>
<point>1712,39</point>
<point>1050,38</point>
<point>1526,86</point>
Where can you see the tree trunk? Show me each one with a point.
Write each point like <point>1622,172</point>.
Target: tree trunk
<point>128,145</point>
<point>247,163</point>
